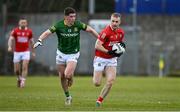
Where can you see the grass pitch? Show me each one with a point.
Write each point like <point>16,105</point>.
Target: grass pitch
<point>128,93</point>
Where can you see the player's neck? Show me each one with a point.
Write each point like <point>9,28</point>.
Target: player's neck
<point>22,28</point>
<point>67,24</point>
<point>112,28</point>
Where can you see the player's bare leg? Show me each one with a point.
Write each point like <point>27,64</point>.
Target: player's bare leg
<point>17,71</point>
<point>69,72</point>
<point>97,78</point>
<point>25,65</point>
<point>111,75</point>
<point>64,83</point>
<point>61,69</point>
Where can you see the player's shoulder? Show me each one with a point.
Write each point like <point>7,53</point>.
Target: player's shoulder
<point>15,29</point>
<point>78,22</point>
<point>29,29</point>
<point>107,30</point>
<point>59,23</point>
<point>120,30</point>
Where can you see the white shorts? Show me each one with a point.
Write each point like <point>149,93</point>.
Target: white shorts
<point>62,58</point>
<point>101,63</point>
<point>18,56</point>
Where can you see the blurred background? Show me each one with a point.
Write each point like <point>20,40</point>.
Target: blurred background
<point>152,34</point>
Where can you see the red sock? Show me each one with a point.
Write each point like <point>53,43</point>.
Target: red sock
<point>100,99</point>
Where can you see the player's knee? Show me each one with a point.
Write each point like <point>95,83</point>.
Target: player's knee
<point>62,77</point>
<point>110,82</point>
<point>17,72</point>
<point>96,83</point>
<point>68,76</point>
<point>24,68</point>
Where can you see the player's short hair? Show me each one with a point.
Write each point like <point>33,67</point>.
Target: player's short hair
<point>116,15</point>
<point>69,10</point>
<point>22,18</point>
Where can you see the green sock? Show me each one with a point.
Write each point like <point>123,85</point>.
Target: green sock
<point>67,94</point>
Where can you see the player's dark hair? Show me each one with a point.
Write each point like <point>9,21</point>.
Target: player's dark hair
<point>116,15</point>
<point>69,10</point>
<point>22,18</point>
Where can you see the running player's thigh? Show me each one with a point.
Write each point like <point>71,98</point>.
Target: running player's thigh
<point>70,67</point>
<point>97,76</point>
<point>61,69</point>
<point>110,72</point>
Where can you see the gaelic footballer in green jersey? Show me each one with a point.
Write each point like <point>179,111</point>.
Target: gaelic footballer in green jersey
<point>68,37</point>
<point>68,33</point>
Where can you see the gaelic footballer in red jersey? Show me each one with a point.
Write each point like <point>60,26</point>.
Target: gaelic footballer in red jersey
<point>108,37</point>
<point>21,36</point>
<point>105,60</point>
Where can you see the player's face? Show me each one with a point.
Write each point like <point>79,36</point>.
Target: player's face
<point>115,22</point>
<point>71,18</point>
<point>23,23</point>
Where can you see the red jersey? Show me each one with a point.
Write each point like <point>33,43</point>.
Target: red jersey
<point>22,37</point>
<point>109,37</point>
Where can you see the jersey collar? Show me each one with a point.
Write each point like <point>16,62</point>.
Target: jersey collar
<point>24,29</point>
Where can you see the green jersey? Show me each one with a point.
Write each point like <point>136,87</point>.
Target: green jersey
<point>68,37</point>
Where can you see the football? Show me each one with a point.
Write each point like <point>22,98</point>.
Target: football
<point>118,47</point>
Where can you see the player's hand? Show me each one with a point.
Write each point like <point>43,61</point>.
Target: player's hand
<point>10,49</point>
<point>38,43</point>
<point>123,45</point>
<point>113,53</point>
<point>118,55</point>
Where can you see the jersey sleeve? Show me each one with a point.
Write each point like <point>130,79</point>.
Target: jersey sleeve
<point>53,28</point>
<point>13,33</point>
<point>81,25</point>
<point>102,36</point>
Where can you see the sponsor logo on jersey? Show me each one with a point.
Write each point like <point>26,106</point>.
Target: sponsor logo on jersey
<point>23,33</point>
<point>22,39</point>
<point>112,43</point>
<point>69,34</point>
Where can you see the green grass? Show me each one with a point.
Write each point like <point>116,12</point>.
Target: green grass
<point>128,93</point>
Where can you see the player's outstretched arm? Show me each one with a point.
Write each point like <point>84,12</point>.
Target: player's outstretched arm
<point>91,30</point>
<point>43,36</point>
<point>32,44</point>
